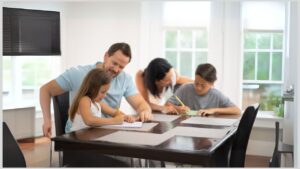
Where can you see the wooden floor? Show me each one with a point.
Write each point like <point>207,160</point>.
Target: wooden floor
<point>37,154</point>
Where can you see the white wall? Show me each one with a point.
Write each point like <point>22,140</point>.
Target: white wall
<point>91,27</point>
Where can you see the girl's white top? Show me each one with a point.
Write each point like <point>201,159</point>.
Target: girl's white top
<point>78,122</point>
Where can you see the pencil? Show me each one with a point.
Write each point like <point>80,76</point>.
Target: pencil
<point>179,100</point>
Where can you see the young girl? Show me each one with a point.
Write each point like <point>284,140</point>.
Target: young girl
<point>202,96</point>
<point>86,110</point>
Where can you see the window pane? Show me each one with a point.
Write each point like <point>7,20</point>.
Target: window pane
<point>201,39</point>
<point>249,66</point>
<point>186,39</point>
<point>7,74</point>
<point>277,40</point>
<point>28,73</point>
<point>171,39</point>
<point>250,40</point>
<point>268,95</point>
<point>200,57</point>
<point>263,62</point>
<point>186,64</point>
<point>277,66</point>
<point>263,41</point>
<point>172,58</point>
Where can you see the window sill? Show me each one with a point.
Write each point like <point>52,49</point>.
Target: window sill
<point>266,119</point>
<point>17,106</point>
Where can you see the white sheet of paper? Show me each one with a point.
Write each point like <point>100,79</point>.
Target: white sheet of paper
<point>139,126</point>
<point>128,137</point>
<point>198,132</point>
<point>210,121</point>
<point>164,117</point>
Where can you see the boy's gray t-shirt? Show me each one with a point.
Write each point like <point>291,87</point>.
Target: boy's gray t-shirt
<point>187,94</point>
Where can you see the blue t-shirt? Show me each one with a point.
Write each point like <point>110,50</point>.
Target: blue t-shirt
<point>121,85</point>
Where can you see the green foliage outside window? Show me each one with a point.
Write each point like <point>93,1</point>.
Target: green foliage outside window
<point>272,102</point>
<point>249,66</point>
<point>263,64</point>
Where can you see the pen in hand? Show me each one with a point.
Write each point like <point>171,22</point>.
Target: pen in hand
<point>182,104</point>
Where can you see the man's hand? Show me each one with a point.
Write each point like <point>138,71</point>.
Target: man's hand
<point>130,119</point>
<point>145,116</point>
<point>47,129</point>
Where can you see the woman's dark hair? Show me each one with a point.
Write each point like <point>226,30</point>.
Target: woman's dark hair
<point>123,47</point>
<point>207,72</point>
<point>156,70</point>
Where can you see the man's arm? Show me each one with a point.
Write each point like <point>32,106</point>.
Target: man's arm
<point>141,106</point>
<point>47,91</point>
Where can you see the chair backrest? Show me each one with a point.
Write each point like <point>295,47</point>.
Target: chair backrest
<point>240,141</point>
<point>275,162</point>
<point>12,154</point>
<point>61,107</point>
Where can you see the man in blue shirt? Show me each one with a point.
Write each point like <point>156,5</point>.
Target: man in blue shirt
<point>115,60</point>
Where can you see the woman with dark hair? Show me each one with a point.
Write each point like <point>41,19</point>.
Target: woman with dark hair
<point>157,82</point>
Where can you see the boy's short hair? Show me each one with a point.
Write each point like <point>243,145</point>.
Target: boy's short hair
<point>207,72</point>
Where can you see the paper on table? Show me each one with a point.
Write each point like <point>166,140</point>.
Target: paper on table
<point>139,126</point>
<point>128,137</point>
<point>198,132</point>
<point>164,117</point>
<point>210,121</point>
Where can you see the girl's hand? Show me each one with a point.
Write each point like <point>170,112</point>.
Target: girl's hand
<point>206,112</point>
<point>119,118</point>
<point>130,119</point>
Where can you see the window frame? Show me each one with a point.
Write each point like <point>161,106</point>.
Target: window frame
<point>178,49</point>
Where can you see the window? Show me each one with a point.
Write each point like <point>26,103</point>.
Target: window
<point>185,26</point>
<point>185,49</point>
<point>23,76</point>
<point>263,56</point>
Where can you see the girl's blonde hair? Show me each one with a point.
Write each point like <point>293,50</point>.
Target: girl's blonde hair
<point>90,87</point>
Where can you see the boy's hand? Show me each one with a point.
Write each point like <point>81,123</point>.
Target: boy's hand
<point>206,112</point>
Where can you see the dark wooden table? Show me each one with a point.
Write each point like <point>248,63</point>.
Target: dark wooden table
<point>203,151</point>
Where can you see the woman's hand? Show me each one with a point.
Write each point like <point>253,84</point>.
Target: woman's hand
<point>169,110</point>
<point>183,109</point>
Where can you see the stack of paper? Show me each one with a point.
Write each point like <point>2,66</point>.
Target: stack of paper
<point>210,121</point>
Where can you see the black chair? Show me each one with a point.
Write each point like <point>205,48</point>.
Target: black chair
<point>279,149</point>
<point>12,154</point>
<point>61,107</point>
<point>241,138</point>
<point>77,158</point>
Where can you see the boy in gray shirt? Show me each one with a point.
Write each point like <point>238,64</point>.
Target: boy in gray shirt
<point>201,95</point>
